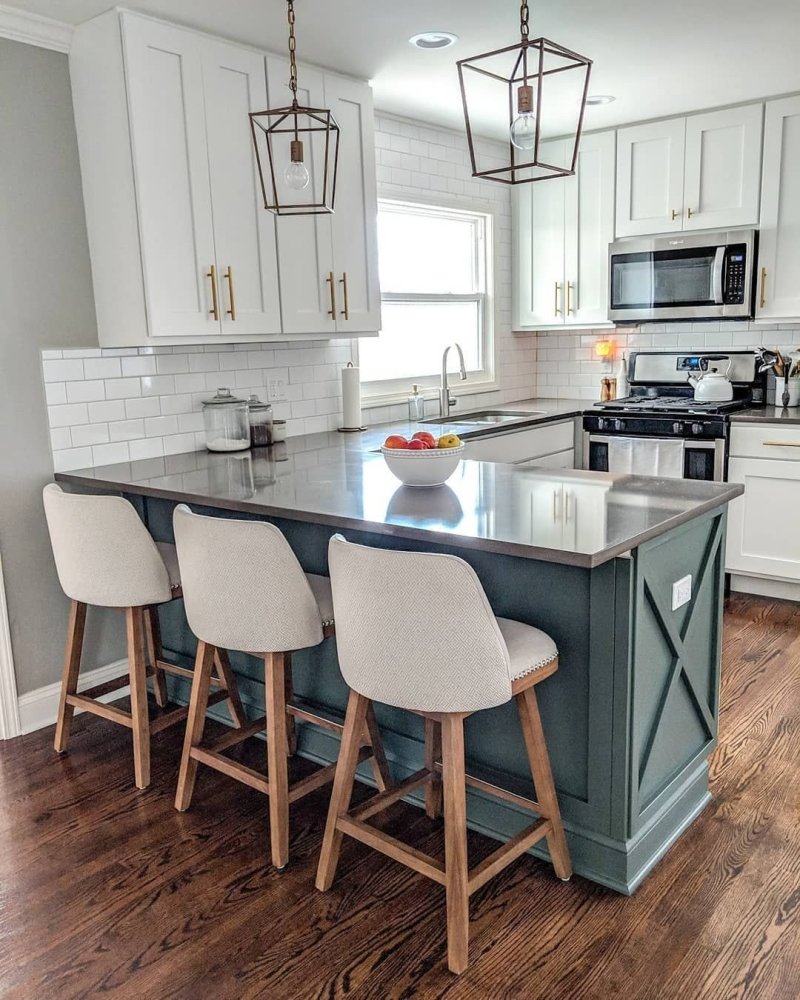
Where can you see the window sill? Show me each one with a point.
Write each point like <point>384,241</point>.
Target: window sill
<point>428,392</point>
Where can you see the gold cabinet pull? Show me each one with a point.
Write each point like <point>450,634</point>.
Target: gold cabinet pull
<point>570,290</point>
<point>763,297</point>
<point>556,310</point>
<point>231,297</point>
<point>332,289</point>
<point>675,214</point>
<point>214,310</point>
<point>781,444</point>
<point>689,212</point>
<point>343,283</point>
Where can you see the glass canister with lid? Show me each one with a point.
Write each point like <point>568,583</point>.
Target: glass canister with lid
<point>260,416</point>
<point>226,422</point>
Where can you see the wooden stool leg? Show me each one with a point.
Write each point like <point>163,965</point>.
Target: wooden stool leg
<point>433,752</point>
<point>380,765</point>
<point>543,780</point>
<point>228,680</point>
<point>72,666</point>
<point>277,763</point>
<point>140,721</point>
<point>288,694</point>
<point>455,842</point>
<point>195,724</point>
<point>152,631</point>
<point>346,765</point>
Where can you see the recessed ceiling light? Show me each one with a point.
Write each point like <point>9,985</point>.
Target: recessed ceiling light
<point>434,40</point>
<point>595,99</point>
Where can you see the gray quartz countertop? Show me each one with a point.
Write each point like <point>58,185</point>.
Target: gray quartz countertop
<point>768,414</point>
<point>340,480</point>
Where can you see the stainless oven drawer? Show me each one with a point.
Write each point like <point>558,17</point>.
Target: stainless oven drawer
<point>702,460</point>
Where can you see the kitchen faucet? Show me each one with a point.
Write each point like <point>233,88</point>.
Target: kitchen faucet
<point>445,399</point>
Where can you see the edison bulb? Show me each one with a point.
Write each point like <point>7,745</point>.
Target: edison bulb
<point>296,175</point>
<point>523,131</point>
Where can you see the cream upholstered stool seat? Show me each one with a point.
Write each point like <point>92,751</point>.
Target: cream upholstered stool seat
<point>105,557</point>
<point>244,589</point>
<point>461,662</point>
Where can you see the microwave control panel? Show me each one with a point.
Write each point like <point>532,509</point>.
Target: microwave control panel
<point>735,263</point>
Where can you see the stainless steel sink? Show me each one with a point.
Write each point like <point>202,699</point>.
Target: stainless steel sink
<point>486,417</point>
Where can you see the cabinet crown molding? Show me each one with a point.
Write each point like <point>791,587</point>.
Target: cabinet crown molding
<point>33,29</point>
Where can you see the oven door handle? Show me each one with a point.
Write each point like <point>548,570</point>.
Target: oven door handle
<point>717,275</point>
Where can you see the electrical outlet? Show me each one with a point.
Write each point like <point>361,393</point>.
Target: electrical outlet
<point>276,390</point>
<point>681,592</point>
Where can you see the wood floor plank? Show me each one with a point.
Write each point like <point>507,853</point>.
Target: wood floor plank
<point>108,891</point>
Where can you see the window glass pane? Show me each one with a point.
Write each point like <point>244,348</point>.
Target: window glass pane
<point>415,334</point>
<point>426,253</point>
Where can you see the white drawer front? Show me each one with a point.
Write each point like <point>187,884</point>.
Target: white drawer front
<point>523,445</point>
<point>762,539</point>
<point>561,460</point>
<point>766,441</point>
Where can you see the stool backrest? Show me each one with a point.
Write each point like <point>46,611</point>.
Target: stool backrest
<point>243,587</point>
<point>415,630</point>
<point>104,554</point>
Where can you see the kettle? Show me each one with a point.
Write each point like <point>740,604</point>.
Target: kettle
<point>713,386</point>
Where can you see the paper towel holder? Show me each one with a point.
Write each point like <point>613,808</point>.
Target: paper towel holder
<point>350,430</point>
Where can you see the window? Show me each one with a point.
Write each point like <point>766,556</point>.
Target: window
<point>435,271</point>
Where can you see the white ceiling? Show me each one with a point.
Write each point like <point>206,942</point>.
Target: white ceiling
<point>658,57</point>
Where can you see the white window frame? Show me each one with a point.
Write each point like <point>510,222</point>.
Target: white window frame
<point>387,391</point>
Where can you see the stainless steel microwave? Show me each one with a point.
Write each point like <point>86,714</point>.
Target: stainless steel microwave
<point>683,276</point>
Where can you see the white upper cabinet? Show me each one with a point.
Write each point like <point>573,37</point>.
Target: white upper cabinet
<point>562,231</point>
<point>700,172</point>
<point>329,263</point>
<point>723,168</point>
<point>779,250</point>
<point>650,178</point>
<point>244,234</point>
<point>182,247</point>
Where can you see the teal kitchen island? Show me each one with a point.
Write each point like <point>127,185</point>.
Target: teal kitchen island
<point>626,573</point>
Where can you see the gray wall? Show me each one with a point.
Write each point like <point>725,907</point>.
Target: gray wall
<point>46,300</point>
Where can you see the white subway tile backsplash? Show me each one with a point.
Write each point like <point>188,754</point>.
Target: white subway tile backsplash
<point>66,416</point>
<point>60,438</point>
<point>126,430</point>
<point>64,370</point>
<point>86,392</point>
<point>110,454</point>
<point>161,426</point>
<point>140,365</point>
<point>123,388</point>
<point>88,434</point>
<point>103,412</point>
<point>158,385</point>
<point>142,406</point>
<point>105,367</point>
<point>72,458</point>
<point>146,448</point>
<point>55,393</point>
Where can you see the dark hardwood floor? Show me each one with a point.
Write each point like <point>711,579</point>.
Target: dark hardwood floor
<point>106,891</point>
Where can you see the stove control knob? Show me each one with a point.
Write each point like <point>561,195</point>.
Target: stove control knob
<point>601,423</point>
<point>697,428</point>
<point>677,427</point>
<point>619,425</point>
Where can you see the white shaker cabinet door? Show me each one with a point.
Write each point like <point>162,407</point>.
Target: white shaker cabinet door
<point>247,264</point>
<point>355,221</point>
<point>650,178</point>
<point>723,168</point>
<point>168,136</point>
<point>762,535</point>
<point>779,248</point>
<point>589,228</point>
<point>305,243</point>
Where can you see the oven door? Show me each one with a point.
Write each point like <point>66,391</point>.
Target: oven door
<point>704,460</point>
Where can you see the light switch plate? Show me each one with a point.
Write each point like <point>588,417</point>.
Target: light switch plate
<point>276,390</point>
<point>681,592</point>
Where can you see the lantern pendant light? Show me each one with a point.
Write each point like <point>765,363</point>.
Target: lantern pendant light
<point>292,145</point>
<point>537,85</point>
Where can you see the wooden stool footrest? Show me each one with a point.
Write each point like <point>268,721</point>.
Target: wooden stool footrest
<point>100,689</point>
<point>508,852</point>
<point>321,777</point>
<point>232,768</point>
<point>98,708</point>
<point>530,805</point>
<point>393,848</point>
<point>385,799</point>
<point>316,720</point>
<point>237,736</point>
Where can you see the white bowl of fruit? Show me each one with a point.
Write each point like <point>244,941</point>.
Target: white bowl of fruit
<point>423,459</point>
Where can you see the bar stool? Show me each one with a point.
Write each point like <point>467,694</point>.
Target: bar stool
<point>105,557</point>
<point>244,589</point>
<point>465,661</point>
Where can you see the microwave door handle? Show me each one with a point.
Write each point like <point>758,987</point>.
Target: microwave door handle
<point>716,276</point>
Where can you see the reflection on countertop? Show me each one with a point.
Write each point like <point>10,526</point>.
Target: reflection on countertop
<point>573,517</point>
<point>768,414</point>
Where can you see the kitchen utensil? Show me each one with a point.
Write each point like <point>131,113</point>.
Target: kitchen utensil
<point>713,386</point>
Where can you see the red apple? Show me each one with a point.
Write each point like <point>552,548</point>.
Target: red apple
<point>395,441</point>
<point>426,437</point>
<point>416,445</point>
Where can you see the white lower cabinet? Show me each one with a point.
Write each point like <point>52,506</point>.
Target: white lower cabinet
<point>525,446</point>
<point>566,514</point>
<point>763,540</point>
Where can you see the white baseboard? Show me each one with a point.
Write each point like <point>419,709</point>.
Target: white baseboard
<point>38,709</point>
<point>785,590</point>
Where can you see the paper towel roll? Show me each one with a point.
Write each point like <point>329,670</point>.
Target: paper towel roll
<point>351,397</point>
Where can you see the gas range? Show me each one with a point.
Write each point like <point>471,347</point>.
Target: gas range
<point>662,409</point>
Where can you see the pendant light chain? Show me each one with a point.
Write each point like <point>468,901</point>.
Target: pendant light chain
<point>292,55</point>
<point>524,17</point>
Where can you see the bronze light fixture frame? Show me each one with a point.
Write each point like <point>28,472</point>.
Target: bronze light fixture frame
<point>298,121</point>
<point>527,75</point>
